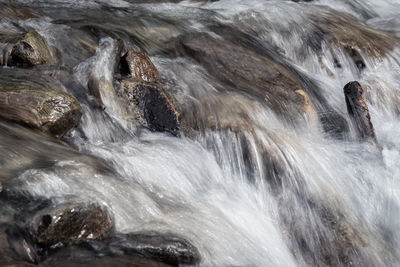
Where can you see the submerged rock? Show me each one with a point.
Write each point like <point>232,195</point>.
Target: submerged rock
<point>358,110</point>
<point>251,73</point>
<point>15,12</point>
<point>95,90</point>
<point>355,56</point>
<point>49,109</point>
<point>31,50</point>
<point>353,36</point>
<point>69,225</point>
<point>150,106</point>
<point>334,124</point>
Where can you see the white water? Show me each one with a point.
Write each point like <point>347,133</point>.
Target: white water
<point>201,188</point>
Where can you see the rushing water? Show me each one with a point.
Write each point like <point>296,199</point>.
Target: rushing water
<point>218,188</point>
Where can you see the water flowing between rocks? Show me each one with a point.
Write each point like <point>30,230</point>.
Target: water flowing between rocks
<point>264,166</point>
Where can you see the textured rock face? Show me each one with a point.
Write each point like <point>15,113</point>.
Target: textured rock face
<point>31,50</point>
<point>48,109</point>
<point>358,110</point>
<point>71,224</point>
<point>150,106</point>
<point>139,66</point>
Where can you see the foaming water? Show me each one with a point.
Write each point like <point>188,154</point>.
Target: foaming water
<point>247,188</point>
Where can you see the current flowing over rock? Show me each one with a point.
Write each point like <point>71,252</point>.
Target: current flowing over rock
<point>200,133</point>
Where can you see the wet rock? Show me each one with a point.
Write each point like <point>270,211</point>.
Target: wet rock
<point>334,124</point>
<point>69,225</point>
<point>80,256</point>
<point>31,50</point>
<point>353,36</point>
<point>6,252</point>
<point>167,248</point>
<point>222,111</point>
<point>24,149</point>
<point>251,73</point>
<point>139,66</point>
<point>94,90</point>
<point>15,12</point>
<point>150,106</point>
<point>356,57</point>
<point>23,248</point>
<point>12,263</point>
<point>49,109</point>
<point>358,110</point>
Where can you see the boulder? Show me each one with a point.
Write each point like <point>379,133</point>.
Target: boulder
<point>139,66</point>
<point>149,105</point>
<point>31,50</point>
<point>49,109</point>
<point>69,225</point>
<point>358,110</point>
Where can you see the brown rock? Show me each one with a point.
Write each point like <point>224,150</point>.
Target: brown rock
<point>358,110</point>
<point>48,109</point>
<point>139,66</point>
<point>16,12</point>
<point>349,33</point>
<point>31,50</point>
<point>70,224</point>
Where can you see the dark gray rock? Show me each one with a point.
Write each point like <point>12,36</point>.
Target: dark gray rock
<point>167,248</point>
<point>79,256</point>
<point>358,110</point>
<point>150,106</point>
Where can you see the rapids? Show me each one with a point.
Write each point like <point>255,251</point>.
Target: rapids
<point>217,186</point>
